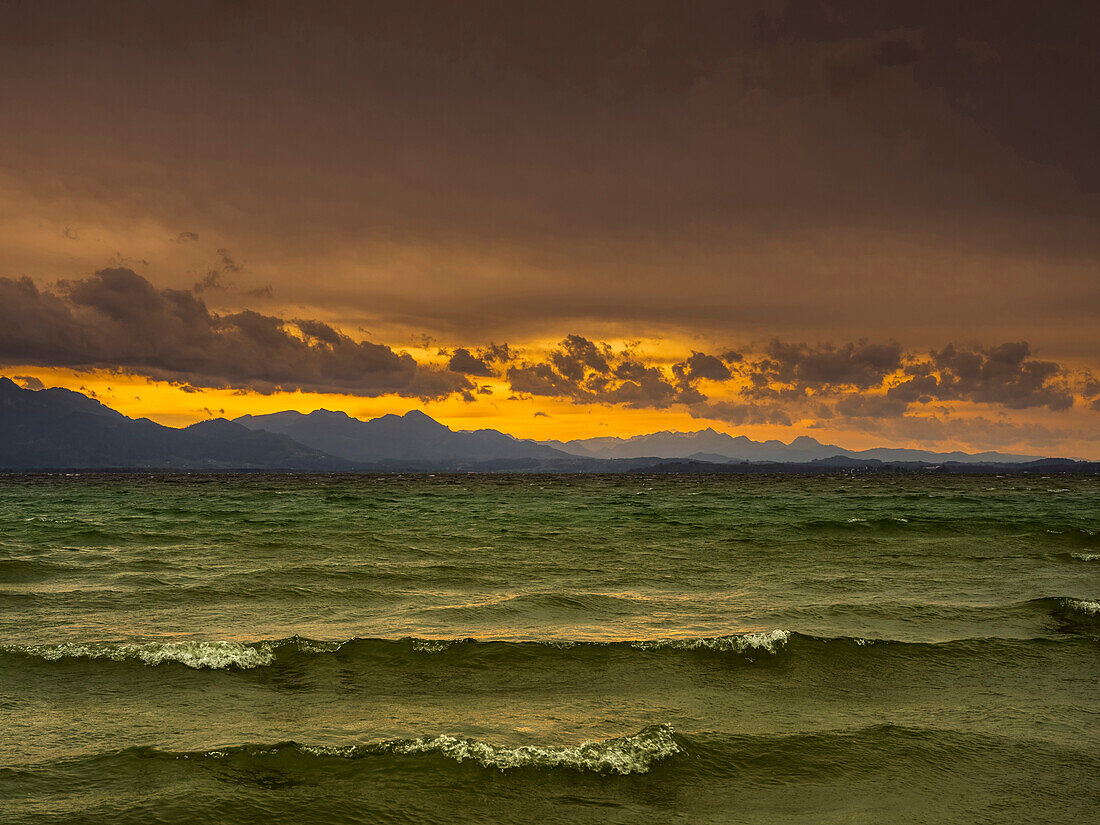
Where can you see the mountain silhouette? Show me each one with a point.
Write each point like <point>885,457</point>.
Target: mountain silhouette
<point>61,429</point>
<point>711,445</point>
<point>58,429</point>
<point>413,436</point>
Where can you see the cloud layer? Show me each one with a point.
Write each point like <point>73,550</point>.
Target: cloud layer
<point>117,319</point>
<point>832,170</point>
<point>787,381</point>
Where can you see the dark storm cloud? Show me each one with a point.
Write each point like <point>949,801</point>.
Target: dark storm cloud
<point>584,371</point>
<point>701,365</point>
<point>1005,375</point>
<point>465,362</point>
<point>500,353</point>
<point>578,354</point>
<point>119,320</point>
<point>822,367</point>
<point>1091,391</point>
<point>856,380</point>
<point>319,331</point>
<point>116,319</point>
<point>851,168</point>
<point>542,380</point>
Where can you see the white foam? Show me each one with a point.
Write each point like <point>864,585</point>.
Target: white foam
<point>431,645</point>
<point>1087,556</point>
<point>311,646</point>
<point>1084,606</point>
<point>212,655</point>
<point>769,641</point>
<point>629,754</point>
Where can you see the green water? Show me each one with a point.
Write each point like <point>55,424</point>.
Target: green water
<point>455,649</point>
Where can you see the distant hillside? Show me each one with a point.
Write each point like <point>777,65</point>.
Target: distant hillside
<point>413,436</point>
<point>60,429</point>
<point>716,446</point>
<point>57,429</point>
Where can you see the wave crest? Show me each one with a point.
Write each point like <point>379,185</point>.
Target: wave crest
<point>623,755</point>
<point>211,654</point>
<point>223,655</point>
<point>769,641</point>
<point>1089,608</point>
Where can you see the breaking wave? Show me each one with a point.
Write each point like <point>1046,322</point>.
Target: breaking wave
<point>1088,608</point>
<point>621,756</point>
<point>768,641</point>
<point>767,757</point>
<point>1068,614</point>
<point>213,654</point>
<point>1065,606</point>
<point>222,655</point>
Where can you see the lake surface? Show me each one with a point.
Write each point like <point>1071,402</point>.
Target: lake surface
<point>453,649</point>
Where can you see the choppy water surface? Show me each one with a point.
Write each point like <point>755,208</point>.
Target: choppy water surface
<point>529,648</point>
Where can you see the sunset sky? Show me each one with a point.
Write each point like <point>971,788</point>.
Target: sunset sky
<point>873,223</point>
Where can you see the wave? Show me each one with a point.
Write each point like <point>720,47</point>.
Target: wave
<point>222,655</point>
<point>768,641</point>
<point>1088,608</point>
<point>215,655</point>
<point>1072,616</point>
<point>1065,607</point>
<point>624,755</point>
<point>709,756</point>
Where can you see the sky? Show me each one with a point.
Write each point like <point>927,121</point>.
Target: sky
<point>874,223</point>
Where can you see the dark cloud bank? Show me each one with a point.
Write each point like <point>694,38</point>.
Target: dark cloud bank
<point>852,381</point>
<point>117,319</point>
<point>926,167</point>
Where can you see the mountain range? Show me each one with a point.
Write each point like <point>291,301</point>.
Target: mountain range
<point>61,429</point>
<point>711,445</point>
<point>414,437</point>
<point>58,429</point>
